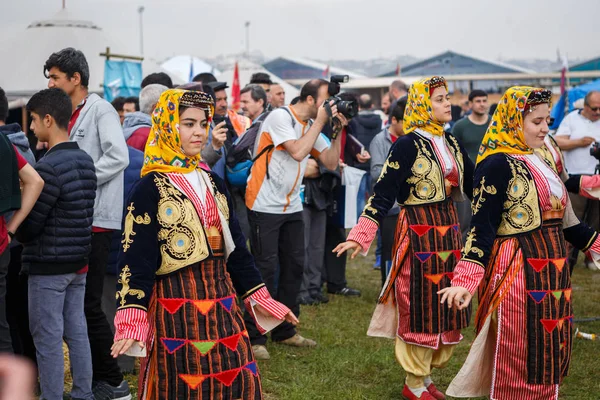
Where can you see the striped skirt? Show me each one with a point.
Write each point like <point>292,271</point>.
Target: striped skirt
<point>199,348</point>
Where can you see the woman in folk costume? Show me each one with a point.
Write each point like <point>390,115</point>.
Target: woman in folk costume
<point>585,185</point>
<point>515,253</point>
<point>182,263</point>
<point>425,171</point>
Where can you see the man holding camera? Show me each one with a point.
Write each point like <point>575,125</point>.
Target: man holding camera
<point>288,136</point>
<point>575,137</point>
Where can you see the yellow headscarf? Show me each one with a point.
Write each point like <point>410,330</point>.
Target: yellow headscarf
<point>163,151</point>
<point>505,133</point>
<point>418,113</point>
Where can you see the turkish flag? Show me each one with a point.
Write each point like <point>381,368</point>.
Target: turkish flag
<point>235,89</point>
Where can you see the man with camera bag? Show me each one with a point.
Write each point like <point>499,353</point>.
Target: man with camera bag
<point>273,199</point>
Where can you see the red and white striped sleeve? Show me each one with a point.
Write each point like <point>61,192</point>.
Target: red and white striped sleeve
<point>594,252</point>
<point>276,310</point>
<point>589,186</point>
<point>468,274</point>
<point>131,323</point>
<point>364,233</point>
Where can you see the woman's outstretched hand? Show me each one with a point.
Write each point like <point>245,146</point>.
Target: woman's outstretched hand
<point>348,245</point>
<point>290,317</point>
<point>456,296</point>
<point>120,347</point>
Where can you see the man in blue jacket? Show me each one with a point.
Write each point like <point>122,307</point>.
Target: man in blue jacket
<point>57,239</point>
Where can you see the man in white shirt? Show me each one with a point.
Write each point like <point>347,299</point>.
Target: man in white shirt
<point>575,136</point>
<point>287,137</point>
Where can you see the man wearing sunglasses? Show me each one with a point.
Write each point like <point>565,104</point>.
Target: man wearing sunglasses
<point>575,136</point>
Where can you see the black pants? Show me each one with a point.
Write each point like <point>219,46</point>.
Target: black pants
<point>17,310</point>
<point>277,239</point>
<point>105,366</point>
<point>5,340</point>
<point>335,267</point>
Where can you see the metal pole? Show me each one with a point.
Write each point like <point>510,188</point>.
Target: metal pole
<point>141,11</point>
<point>247,24</point>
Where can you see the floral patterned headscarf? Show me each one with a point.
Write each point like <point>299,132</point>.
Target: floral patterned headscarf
<point>418,113</point>
<point>163,149</point>
<point>505,133</point>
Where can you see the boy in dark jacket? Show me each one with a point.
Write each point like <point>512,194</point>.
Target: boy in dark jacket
<point>57,238</point>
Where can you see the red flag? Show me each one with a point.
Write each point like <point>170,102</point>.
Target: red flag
<point>235,89</point>
<point>398,69</point>
<point>563,76</point>
<point>326,72</point>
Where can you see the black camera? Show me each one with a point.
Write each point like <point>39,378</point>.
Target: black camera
<point>348,109</point>
<point>595,151</point>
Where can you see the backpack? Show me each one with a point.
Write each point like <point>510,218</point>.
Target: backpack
<point>240,160</point>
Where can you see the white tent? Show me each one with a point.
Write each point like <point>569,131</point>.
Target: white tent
<point>247,69</point>
<point>30,49</point>
<point>180,66</point>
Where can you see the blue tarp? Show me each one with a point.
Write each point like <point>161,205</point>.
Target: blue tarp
<point>576,93</point>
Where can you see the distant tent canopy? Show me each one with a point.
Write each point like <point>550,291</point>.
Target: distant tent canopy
<point>576,93</point>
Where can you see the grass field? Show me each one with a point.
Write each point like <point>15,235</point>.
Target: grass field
<point>349,365</point>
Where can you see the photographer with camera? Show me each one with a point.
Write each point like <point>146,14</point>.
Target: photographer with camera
<point>288,136</point>
<point>576,136</point>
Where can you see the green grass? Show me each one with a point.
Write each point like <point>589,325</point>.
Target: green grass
<point>348,365</point>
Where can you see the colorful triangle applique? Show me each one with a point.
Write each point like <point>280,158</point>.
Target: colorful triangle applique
<point>456,254</point>
<point>450,275</point>
<point>227,377</point>
<point>444,255</point>
<point>558,294</point>
<point>455,227</point>
<point>231,342</point>
<point>570,319</point>
<point>560,324</point>
<point>538,264</point>
<point>420,230</point>
<point>171,305</point>
<point>252,367</point>
<point>227,303</point>
<point>424,256</point>
<point>434,278</point>
<point>443,229</point>
<point>173,345</point>
<point>245,333</point>
<point>560,263</point>
<point>204,347</point>
<point>193,381</point>
<point>204,306</point>
<point>568,294</point>
<point>563,345</point>
<point>537,296</point>
<point>549,324</point>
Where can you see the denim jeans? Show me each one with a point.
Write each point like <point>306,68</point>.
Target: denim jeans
<point>56,312</point>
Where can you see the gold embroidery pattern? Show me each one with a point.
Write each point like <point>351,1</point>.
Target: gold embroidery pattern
<point>458,157</point>
<point>394,165</point>
<point>370,208</point>
<point>182,232</point>
<point>478,193</point>
<point>128,232</point>
<point>469,248</point>
<point>545,154</point>
<point>521,209</point>
<point>427,180</point>
<point>125,289</point>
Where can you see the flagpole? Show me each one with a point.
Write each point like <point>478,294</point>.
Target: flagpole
<point>247,25</point>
